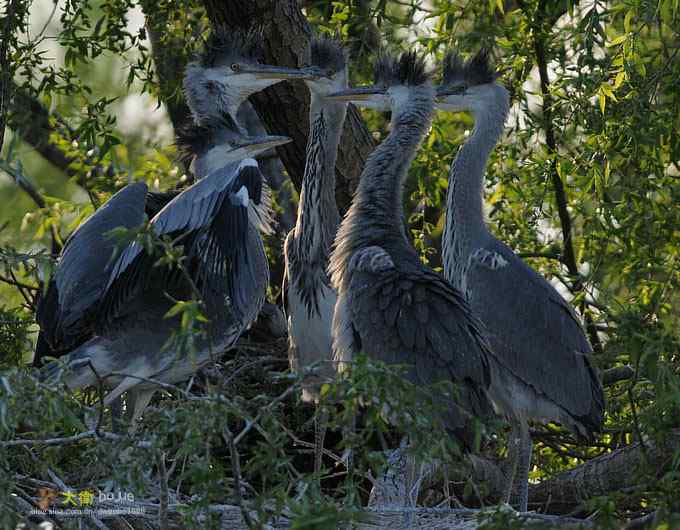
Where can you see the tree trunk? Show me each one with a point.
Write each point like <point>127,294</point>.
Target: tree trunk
<point>603,475</point>
<point>284,107</point>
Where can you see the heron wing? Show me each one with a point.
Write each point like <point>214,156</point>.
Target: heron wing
<point>416,318</point>
<point>209,219</point>
<point>156,201</point>
<point>534,331</point>
<point>83,267</point>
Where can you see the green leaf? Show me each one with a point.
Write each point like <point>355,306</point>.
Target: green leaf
<point>618,40</point>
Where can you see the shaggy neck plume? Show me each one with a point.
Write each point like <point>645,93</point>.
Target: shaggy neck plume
<point>318,216</point>
<point>376,215</point>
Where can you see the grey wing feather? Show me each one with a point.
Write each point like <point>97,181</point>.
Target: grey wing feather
<point>535,332</point>
<point>156,201</point>
<point>84,265</point>
<point>210,218</point>
<point>451,346</point>
<point>261,213</point>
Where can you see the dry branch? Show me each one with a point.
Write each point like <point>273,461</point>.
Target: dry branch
<point>67,440</point>
<point>603,475</point>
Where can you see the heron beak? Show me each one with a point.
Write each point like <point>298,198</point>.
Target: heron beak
<point>357,94</point>
<point>256,145</point>
<point>278,73</point>
<point>443,91</point>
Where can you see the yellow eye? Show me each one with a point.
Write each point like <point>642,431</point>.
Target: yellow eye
<point>235,67</point>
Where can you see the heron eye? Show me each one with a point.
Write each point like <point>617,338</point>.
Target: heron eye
<point>235,67</point>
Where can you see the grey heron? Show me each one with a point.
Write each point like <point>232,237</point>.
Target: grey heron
<point>309,299</point>
<point>228,72</point>
<point>222,77</point>
<point>124,301</point>
<point>543,371</point>
<point>390,305</point>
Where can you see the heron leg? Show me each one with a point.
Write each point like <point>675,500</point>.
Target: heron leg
<point>123,386</point>
<point>320,424</point>
<point>521,480</point>
<point>513,457</point>
<point>137,401</point>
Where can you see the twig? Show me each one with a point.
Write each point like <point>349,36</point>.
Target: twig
<point>39,35</point>
<point>240,369</point>
<point>236,471</point>
<point>163,499</point>
<point>267,408</point>
<point>18,284</point>
<point>28,297</point>
<point>26,185</point>
<point>66,440</point>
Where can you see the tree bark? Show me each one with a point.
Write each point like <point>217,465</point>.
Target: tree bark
<point>603,475</point>
<point>168,57</point>
<point>562,494</point>
<point>284,107</point>
<point>12,22</point>
<point>30,119</point>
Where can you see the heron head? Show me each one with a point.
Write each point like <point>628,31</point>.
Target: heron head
<point>468,86</point>
<point>395,78</point>
<point>208,147</point>
<point>228,72</point>
<point>253,146</point>
<point>328,66</point>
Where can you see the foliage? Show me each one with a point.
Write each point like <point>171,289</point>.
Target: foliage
<point>596,114</point>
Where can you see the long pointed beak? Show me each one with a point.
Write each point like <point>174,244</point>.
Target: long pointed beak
<point>450,90</point>
<point>357,94</point>
<point>279,73</point>
<point>259,144</point>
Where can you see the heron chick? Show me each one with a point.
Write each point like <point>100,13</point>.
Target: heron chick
<point>541,369</point>
<point>96,298</point>
<point>309,299</point>
<point>390,305</point>
<point>130,296</point>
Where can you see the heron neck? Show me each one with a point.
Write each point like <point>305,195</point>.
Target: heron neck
<point>465,226</point>
<point>318,217</point>
<point>379,197</point>
<point>376,214</point>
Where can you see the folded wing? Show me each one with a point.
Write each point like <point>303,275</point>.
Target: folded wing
<point>66,311</point>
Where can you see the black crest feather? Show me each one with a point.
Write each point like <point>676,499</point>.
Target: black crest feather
<point>225,46</point>
<point>327,53</point>
<point>476,71</point>
<point>193,139</point>
<point>407,69</point>
<point>454,68</point>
